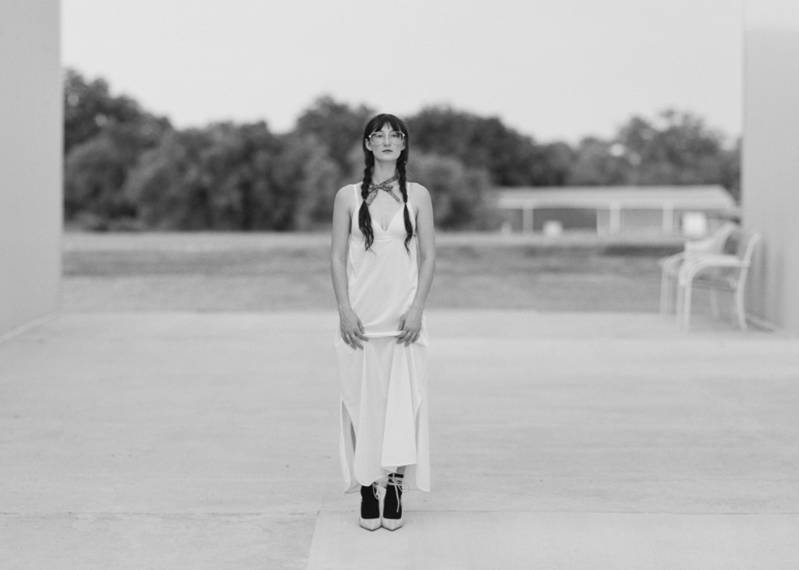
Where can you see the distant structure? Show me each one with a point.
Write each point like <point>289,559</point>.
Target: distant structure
<point>690,211</point>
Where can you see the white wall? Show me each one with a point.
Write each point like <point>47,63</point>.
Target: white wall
<point>30,160</point>
<point>771,157</point>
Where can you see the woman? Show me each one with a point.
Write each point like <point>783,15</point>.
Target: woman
<point>382,263</point>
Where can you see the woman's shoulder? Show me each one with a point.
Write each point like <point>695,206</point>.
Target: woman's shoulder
<point>417,193</point>
<point>348,190</point>
<point>345,196</point>
<point>416,190</point>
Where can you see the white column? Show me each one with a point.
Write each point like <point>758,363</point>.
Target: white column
<point>527,220</point>
<point>668,218</point>
<point>30,160</point>
<point>770,166</point>
<point>614,218</point>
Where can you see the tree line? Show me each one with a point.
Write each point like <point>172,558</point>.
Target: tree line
<point>129,169</point>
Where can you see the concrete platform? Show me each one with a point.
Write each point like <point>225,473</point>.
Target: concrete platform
<point>477,540</point>
<point>191,440</point>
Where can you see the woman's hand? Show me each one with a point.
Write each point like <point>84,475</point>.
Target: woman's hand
<point>410,325</point>
<point>351,328</point>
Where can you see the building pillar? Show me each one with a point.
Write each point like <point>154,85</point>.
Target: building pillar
<point>668,219</point>
<point>614,219</point>
<point>31,114</point>
<point>770,166</point>
<point>527,220</point>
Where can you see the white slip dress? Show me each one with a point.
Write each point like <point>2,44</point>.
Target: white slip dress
<point>383,403</point>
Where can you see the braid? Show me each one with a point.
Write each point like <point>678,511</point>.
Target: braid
<point>364,217</point>
<point>405,213</point>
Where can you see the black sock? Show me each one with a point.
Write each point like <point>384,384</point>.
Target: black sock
<point>392,505</point>
<point>370,506</point>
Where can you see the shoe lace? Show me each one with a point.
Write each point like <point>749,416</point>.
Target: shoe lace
<point>395,480</point>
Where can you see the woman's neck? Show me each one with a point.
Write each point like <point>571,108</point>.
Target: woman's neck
<point>383,171</point>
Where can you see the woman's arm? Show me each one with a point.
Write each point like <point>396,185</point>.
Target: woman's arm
<point>351,326</point>
<point>411,324</point>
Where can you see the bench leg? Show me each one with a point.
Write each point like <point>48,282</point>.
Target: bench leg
<point>686,322</point>
<point>739,307</point>
<point>665,294</point>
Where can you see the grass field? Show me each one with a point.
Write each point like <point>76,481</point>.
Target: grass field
<point>268,272</point>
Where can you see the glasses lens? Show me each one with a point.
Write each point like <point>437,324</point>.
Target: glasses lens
<point>393,137</point>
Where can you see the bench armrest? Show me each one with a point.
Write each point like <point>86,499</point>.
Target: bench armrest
<point>699,263</point>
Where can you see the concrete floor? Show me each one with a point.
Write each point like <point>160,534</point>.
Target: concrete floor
<point>559,440</point>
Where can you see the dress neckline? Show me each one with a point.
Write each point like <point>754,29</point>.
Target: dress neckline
<point>390,221</point>
<point>375,224</point>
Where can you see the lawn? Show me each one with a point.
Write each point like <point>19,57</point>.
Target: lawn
<point>267,272</point>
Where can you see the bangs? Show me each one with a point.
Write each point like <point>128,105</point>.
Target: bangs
<point>377,123</point>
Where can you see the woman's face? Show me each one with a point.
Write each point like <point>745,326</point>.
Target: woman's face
<point>386,144</point>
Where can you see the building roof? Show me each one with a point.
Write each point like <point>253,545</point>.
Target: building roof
<point>711,197</point>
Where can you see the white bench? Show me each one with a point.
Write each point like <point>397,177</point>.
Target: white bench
<point>670,266</point>
<point>717,272</point>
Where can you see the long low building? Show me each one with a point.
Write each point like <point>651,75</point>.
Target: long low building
<point>667,210</point>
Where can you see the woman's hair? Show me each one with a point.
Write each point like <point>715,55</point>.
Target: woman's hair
<point>364,218</point>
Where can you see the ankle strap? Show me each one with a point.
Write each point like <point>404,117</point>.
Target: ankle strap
<point>394,479</point>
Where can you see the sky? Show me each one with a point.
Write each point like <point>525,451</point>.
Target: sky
<point>552,69</point>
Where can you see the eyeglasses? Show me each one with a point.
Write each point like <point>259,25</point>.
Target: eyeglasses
<point>394,137</point>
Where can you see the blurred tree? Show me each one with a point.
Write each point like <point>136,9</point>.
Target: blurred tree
<point>675,148</point>
<point>336,125</point>
<point>304,181</point>
<point>168,186</point>
<point>459,194</point>
<point>553,164</point>
<point>229,177</point>
<point>510,158</point>
<point>124,165</point>
<point>210,178</point>
<point>237,163</point>
<point>598,163</point>
<point>103,138</point>
<point>89,108</point>
<point>94,172</point>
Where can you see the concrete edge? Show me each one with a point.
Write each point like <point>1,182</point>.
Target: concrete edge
<point>32,324</point>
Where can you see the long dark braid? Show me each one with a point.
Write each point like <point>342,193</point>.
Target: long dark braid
<point>405,214</point>
<point>364,217</point>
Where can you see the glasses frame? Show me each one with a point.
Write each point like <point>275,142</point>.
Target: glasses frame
<point>383,135</point>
